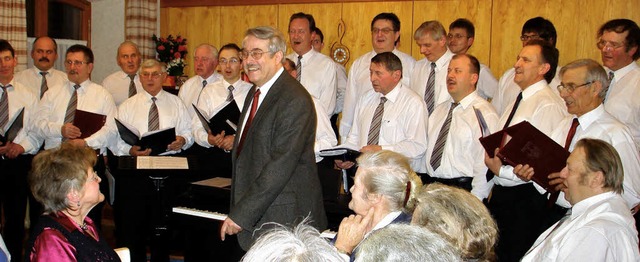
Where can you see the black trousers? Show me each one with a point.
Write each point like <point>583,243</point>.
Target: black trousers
<point>13,200</point>
<point>460,182</point>
<point>522,215</point>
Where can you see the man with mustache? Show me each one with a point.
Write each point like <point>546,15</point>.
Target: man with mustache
<point>42,76</point>
<point>454,154</point>
<point>385,36</point>
<point>315,71</point>
<point>274,171</point>
<point>205,62</point>
<point>57,109</point>
<point>126,82</point>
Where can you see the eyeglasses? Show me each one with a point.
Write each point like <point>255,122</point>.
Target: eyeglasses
<point>232,61</point>
<point>154,75</point>
<point>385,31</point>
<point>456,36</point>
<point>602,44</point>
<point>255,54</point>
<point>75,63</point>
<point>569,88</point>
<point>529,37</point>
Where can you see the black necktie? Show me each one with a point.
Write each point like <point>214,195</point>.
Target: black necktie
<point>490,174</point>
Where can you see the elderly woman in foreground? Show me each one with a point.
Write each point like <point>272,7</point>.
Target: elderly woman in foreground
<point>383,193</point>
<point>63,180</point>
<point>460,218</point>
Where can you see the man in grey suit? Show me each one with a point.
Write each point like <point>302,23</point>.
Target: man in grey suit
<point>274,171</point>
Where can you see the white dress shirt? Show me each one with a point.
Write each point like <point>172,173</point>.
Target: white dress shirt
<point>544,110</point>
<point>325,137</point>
<point>487,84</point>
<point>508,90</point>
<point>600,228</point>
<point>420,76</point>
<point>213,95</point>
<point>403,128</point>
<point>359,82</point>
<point>622,98</point>
<point>32,79</point>
<point>463,155</point>
<point>21,97</point>
<point>171,113</point>
<point>319,77</point>
<point>264,90</point>
<point>192,89</point>
<point>118,85</point>
<point>601,125</point>
<point>342,86</point>
<point>92,98</point>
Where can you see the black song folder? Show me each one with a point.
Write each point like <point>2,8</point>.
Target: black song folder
<point>225,118</point>
<point>340,153</point>
<point>156,140</point>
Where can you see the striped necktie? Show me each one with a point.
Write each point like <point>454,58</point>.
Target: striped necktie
<point>4,107</point>
<point>73,104</point>
<point>132,86</point>
<point>154,120</point>
<point>429,92</point>
<point>438,149</point>
<point>376,122</point>
<point>43,86</point>
<point>230,96</point>
<point>299,68</point>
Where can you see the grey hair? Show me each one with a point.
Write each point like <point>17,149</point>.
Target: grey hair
<point>435,28</point>
<point>402,243</point>
<point>595,72</point>
<point>388,174</point>
<point>276,39</point>
<point>212,49</point>
<point>151,63</point>
<point>301,243</point>
<point>460,217</point>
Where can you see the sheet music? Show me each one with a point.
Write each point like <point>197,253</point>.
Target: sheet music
<point>219,182</point>
<point>161,162</point>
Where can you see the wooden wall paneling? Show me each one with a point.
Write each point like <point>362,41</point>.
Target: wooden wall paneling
<point>326,16</point>
<point>201,25</point>
<point>235,20</point>
<point>358,16</point>
<point>446,11</point>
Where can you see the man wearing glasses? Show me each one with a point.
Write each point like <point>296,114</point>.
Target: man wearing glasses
<point>229,87</point>
<point>315,71</point>
<point>125,83</point>
<point>134,194</point>
<point>618,41</point>
<point>205,61</point>
<point>461,36</point>
<point>385,35</point>
<point>274,171</point>
<point>537,28</point>
<point>56,112</point>
<point>429,79</point>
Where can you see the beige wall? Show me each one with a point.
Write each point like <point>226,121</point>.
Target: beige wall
<point>498,23</point>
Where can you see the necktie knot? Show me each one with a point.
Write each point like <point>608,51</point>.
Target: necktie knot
<point>383,100</point>
<point>153,99</point>
<point>611,75</point>
<point>433,66</point>
<point>43,73</point>
<point>230,96</point>
<point>454,104</point>
<point>132,76</point>
<point>230,88</point>
<point>76,86</point>
<point>204,83</point>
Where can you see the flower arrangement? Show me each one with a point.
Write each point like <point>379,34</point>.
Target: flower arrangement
<point>172,52</point>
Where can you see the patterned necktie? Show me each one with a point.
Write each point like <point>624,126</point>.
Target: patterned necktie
<point>43,86</point>
<point>154,118</point>
<point>376,122</point>
<point>299,68</point>
<point>252,113</point>
<point>230,96</point>
<point>611,76</point>
<point>429,92</point>
<point>204,83</point>
<point>436,155</point>
<point>4,107</point>
<point>132,86</point>
<point>73,104</point>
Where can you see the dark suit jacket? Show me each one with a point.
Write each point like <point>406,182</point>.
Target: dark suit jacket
<point>275,176</point>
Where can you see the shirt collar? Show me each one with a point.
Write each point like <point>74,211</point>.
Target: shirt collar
<point>212,78</point>
<point>158,96</point>
<point>620,73</point>
<point>386,220</point>
<point>393,94</point>
<point>264,89</point>
<point>584,205</point>
<point>306,57</point>
<point>587,119</point>
<point>532,89</point>
<point>467,100</point>
<point>443,60</point>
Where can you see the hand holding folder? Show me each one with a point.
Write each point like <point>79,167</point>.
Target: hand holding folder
<point>156,140</point>
<point>88,123</point>
<point>341,153</point>
<point>225,118</point>
<point>523,144</point>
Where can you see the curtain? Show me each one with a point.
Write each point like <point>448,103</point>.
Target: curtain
<point>140,24</point>
<point>13,28</point>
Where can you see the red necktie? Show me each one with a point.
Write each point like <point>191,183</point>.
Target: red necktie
<point>252,113</point>
<point>572,132</point>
